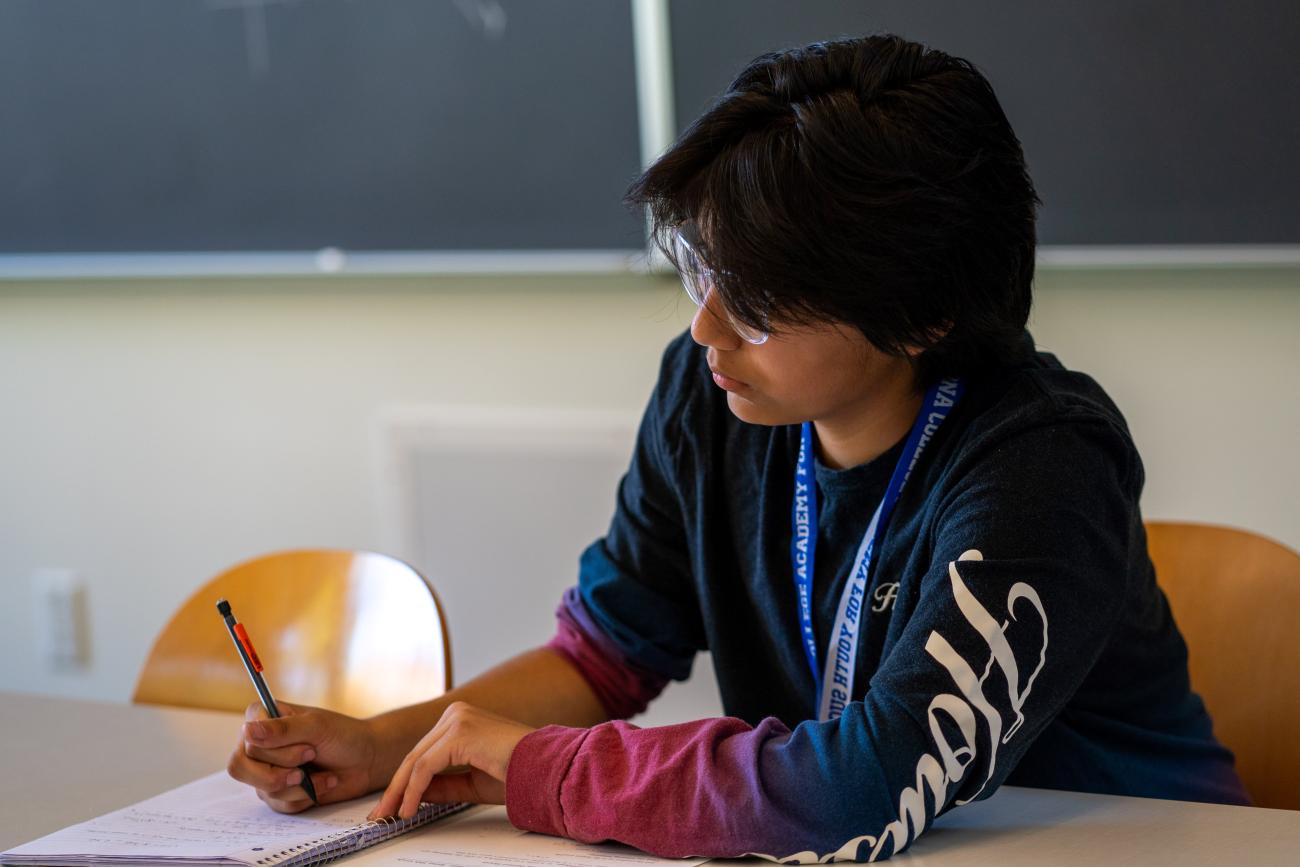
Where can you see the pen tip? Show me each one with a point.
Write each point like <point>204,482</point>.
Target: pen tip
<point>224,607</point>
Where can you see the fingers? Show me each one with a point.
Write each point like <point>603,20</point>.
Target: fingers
<point>402,797</point>
<point>299,728</point>
<point>449,788</point>
<point>463,736</point>
<point>285,757</point>
<point>395,794</point>
<point>279,787</point>
<point>271,750</point>
<point>294,798</point>
<point>474,787</point>
<point>433,761</point>
<point>291,800</point>
<point>260,775</point>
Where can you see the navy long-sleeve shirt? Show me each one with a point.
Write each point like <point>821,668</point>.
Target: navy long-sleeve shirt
<point>1014,632</point>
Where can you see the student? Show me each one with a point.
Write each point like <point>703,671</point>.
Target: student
<point>856,222</point>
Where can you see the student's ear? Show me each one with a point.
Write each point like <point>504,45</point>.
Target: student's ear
<point>933,336</point>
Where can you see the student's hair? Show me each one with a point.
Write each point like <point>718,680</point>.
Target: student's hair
<point>869,181</point>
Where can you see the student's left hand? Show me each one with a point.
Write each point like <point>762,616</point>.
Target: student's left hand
<point>478,741</point>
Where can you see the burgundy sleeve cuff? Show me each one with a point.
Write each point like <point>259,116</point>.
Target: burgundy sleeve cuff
<point>535,775</point>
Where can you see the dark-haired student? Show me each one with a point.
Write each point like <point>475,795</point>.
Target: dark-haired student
<point>911,543</point>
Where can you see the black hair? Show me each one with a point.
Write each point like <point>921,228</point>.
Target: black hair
<point>870,181</point>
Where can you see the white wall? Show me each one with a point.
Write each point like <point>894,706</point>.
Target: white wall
<point>1205,366</point>
<point>154,433</point>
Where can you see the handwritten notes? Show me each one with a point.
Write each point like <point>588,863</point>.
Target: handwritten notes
<point>211,819</point>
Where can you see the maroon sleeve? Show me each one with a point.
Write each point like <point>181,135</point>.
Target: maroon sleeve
<point>624,688</point>
<point>675,791</point>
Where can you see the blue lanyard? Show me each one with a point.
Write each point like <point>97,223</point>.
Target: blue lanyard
<point>842,650</point>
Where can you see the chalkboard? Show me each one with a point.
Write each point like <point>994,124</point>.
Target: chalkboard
<point>270,125</point>
<point>1173,122</point>
<point>260,126</point>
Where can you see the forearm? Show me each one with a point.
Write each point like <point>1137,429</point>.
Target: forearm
<point>538,687</point>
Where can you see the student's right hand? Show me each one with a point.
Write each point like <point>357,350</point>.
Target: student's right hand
<point>342,750</point>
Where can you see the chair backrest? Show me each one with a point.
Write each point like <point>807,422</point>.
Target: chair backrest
<point>352,631</point>
<point>1236,598</point>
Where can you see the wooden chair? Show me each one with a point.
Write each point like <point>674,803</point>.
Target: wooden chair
<point>1236,598</point>
<point>352,631</point>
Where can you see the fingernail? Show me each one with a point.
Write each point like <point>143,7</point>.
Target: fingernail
<point>331,781</point>
<point>294,778</point>
<point>309,755</point>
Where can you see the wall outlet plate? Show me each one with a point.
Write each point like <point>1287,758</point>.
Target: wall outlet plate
<point>61,622</point>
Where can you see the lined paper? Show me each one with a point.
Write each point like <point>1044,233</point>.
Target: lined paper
<point>213,819</point>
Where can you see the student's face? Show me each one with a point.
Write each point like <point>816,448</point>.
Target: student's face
<point>809,373</point>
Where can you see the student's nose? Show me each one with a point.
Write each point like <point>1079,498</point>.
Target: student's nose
<point>711,326</point>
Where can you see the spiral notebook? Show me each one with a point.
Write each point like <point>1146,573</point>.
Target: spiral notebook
<point>218,821</point>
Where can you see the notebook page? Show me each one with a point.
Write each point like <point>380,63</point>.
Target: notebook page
<point>210,819</point>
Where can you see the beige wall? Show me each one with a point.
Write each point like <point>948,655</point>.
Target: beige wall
<point>153,433</point>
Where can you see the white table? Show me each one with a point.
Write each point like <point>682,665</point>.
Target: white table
<point>64,761</point>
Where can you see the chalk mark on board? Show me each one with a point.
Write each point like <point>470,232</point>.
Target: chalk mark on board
<point>257,43</point>
<point>489,16</point>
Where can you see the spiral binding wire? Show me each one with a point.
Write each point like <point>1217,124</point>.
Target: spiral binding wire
<point>334,846</point>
